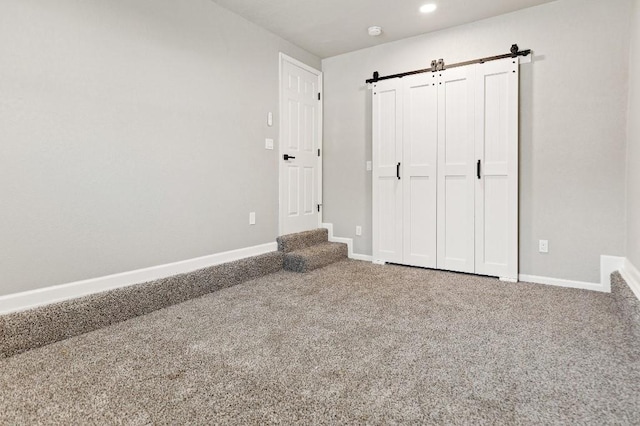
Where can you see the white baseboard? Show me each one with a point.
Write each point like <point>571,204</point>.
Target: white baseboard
<point>348,242</point>
<point>608,264</point>
<point>632,276</point>
<point>44,296</point>
<point>563,283</point>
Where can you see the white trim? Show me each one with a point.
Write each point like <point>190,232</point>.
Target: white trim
<point>363,257</point>
<point>44,296</point>
<point>348,242</point>
<point>563,283</point>
<point>632,276</point>
<point>608,265</point>
<point>281,58</point>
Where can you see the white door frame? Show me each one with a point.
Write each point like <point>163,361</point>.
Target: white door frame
<point>282,59</point>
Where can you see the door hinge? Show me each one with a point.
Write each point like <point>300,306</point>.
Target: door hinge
<point>318,152</point>
<point>319,97</point>
<point>319,207</point>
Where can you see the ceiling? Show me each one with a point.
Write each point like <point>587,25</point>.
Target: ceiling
<point>331,27</point>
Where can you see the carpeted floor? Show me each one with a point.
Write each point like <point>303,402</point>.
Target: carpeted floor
<point>349,343</point>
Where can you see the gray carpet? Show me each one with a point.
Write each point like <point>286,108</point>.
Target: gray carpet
<point>309,250</point>
<point>349,343</point>
<point>314,257</point>
<point>627,303</point>
<point>301,240</point>
<point>21,331</point>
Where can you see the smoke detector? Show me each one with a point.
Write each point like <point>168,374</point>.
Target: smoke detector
<point>375,31</point>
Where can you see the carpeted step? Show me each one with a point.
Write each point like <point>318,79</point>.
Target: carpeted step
<point>627,303</point>
<point>302,240</point>
<point>21,331</point>
<point>314,257</point>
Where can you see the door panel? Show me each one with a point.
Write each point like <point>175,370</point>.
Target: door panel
<point>456,167</point>
<point>418,171</point>
<point>293,177</point>
<point>309,190</point>
<point>299,176</point>
<point>497,148</point>
<point>387,195</point>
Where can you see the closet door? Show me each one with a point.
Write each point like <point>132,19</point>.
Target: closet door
<point>497,186</point>
<point>418,171</point>
<point>387,159</point>
<point>456,169</point>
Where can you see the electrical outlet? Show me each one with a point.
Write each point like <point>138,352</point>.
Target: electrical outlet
<point>543,246</point>
<point>268,143</point>
<point>369,166</point>
<point>252,218</point>
<point>358,230</point>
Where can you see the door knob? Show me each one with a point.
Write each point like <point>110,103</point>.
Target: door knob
<point>287,157</point>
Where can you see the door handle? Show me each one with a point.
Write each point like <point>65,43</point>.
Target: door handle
<point>287,157</point>
<point>398,171</point>
<point>478,167</point>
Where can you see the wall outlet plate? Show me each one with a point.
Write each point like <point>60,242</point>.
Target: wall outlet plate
<point>358,230</point>
<point>268,143</point>
<point>369,167</point>
<point>543,246</point>
<point>252,218</point>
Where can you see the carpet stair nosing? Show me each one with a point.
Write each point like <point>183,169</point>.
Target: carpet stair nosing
<point>33,328</point>
<point>314,257</point>
<point>301,240</point>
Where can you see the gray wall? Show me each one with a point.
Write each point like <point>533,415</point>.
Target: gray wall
<point>573,128</point>
<point>633,148</point>
<point>132,135</point>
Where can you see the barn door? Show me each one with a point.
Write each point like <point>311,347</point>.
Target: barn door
<point>387,161</point>
<point>456,169</point>
<point>496,124</point>
<point>418,171</point>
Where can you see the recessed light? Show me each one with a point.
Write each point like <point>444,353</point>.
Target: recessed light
<point>428,8</point>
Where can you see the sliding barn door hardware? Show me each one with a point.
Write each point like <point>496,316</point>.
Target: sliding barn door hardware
<point>439,65</point>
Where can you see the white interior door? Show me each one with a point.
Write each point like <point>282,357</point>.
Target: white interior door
<point>300,139</point>
<point>496,116</point>
<point>418,170</point>
<point>456,169</point>
<point>387,159</point>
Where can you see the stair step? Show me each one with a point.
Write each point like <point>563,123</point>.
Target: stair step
<point>302,240</point>
<point>314,257</point>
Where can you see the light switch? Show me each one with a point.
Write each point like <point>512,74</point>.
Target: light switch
<point>268,143</point>
<point>252,218</point>
<point>270,119</point>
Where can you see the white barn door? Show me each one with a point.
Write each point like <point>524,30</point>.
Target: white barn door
<point>418,171</point>
<point>496,123</point>
<point>456,169</point>
<point>445,176</point>
<point>300,139</point>
<point>387,159</point>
